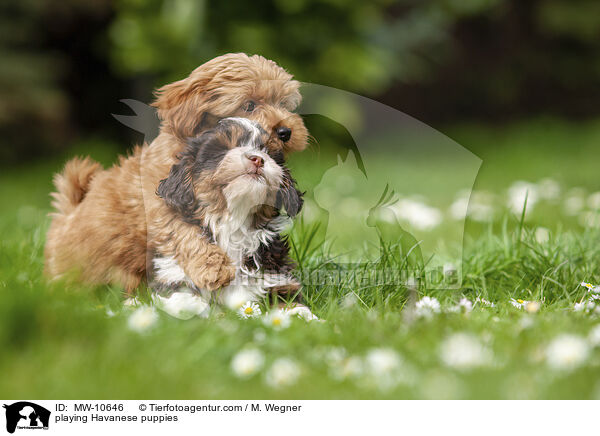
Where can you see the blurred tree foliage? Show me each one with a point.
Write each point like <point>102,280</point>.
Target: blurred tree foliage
<point>66,63</point>
<point>32,104</point>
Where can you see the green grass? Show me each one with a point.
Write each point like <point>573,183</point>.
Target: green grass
<point>59,342</point>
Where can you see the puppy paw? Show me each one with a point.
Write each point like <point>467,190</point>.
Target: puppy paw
<point>218,271</point>
<point>220,276</point>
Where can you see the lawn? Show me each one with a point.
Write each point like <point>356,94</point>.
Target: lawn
<point>376,339</point>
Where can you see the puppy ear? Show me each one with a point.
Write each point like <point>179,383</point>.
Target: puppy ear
<point>288,196</point>
<point>207,121</point>
<point>180,106</point>
<point>178,190</point>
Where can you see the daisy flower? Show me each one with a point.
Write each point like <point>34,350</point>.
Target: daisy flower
<point>518,193</point>
<point>183,304</point>
<point>283,372</point>
<point>549,189</point>
<point>249,310</point>
<point>417,214</point>
<point>427,307</point>
<point>464,351</point>
<point>518,303</point>
<point>484,302</point>
<point>142,319</point>
<point>463,306</point>
<point>590,287</point>
<point>529,306</point>
<point>594,336</point>
<point>542,235</point>
<point>593,201</point>
<point>248,362</point>
<point>587,306</point>
<point>259,336</point>
<point>384,369</point>
<point>278,319</point>
<point>131,302</point>
<point>302,312</point>
<point>383,360</point>
<point>351,367</point>
<point>333,355</point>
<point>567,352</point>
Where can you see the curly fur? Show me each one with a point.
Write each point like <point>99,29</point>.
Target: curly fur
<point>106,219</point>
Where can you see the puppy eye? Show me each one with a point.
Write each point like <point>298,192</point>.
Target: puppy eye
<point>249,106</point>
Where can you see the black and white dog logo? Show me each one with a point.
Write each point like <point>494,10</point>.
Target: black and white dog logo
<point>26,415</point>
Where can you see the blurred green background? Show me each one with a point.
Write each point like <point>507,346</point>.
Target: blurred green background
<point>65,64</point>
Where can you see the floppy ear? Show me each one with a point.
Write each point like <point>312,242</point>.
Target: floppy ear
<point>207,121</point>
<point>178,189</point>
<point>179,107</point>
<point>288,195</point>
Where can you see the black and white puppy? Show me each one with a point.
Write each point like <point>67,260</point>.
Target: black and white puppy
<point>229,188</point>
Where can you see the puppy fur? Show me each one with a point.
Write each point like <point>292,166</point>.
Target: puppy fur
<point>102,224</point>
<point>229,185</point>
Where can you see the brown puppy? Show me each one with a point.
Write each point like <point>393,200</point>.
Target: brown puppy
<point>101,227</point>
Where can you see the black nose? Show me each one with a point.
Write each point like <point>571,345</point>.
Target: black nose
<point>284,133</point>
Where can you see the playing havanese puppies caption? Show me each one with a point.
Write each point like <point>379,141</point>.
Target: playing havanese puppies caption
<point>110,226</point>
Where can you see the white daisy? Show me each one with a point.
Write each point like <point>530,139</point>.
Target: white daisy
<point>283,372</point>
<point>481,206</point>
<point>247,362</point>
<point>549,189</point>
<point>183,304</point>
<point>349,300</point>
<point>385,369</point>
<point>459,208</point>
<point>259,336</point>
<point>518,192</point>
<point>383,360</point>
<point>478,205</point>
<point>332,355</point>
<point>302,312</point>
<point>464,351</point>
<point>519,304</point>
<point>593,201</point>
<point>484,302</point>
<point>529,306</point>
<point>586,306</point>
<point>277,318</point>
<point>132,302</point>
<point>249,310</point>
<point>426,307</point>
<point>463,306</point>
<point>592,288</point>
<point>526,322</point>
<point>567,352</point>
<point>594,336</point>
<point>590,219</point>
<point>142,319</point>
<point>348,368</point>
<point>542,235</point>
<point>418,214</point>
<point>574,201</point>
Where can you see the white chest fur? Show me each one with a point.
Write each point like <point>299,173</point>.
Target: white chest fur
<point>239,241</point>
